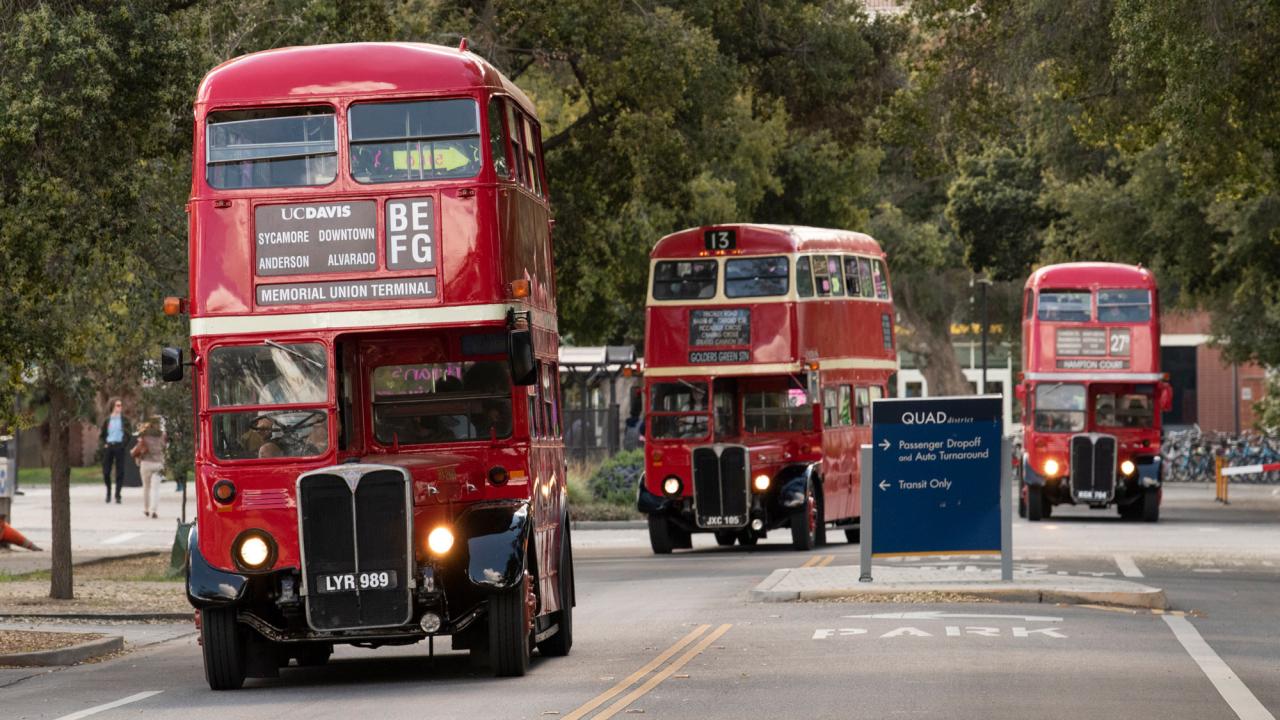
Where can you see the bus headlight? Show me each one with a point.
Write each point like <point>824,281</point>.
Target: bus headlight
<point>761,483</point>
<point>672,486</point>
<point>440,540</point>
<point>1127,467</point>
<point>254,550</point>
<point>1051,467</point>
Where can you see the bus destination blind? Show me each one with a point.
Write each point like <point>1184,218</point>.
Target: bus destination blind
<point>315,238</point>
<point>720,328</point>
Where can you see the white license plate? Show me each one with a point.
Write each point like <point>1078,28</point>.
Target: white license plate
<point>351,582</point>
<point>722,520</point>
<point>1091,495</point>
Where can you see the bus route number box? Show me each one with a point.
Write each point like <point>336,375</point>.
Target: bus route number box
<point>936,476</point>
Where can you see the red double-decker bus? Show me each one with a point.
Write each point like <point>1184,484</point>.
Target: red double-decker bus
<point>1092,390</point>
<point>374,342</point>
<point>765,346</point>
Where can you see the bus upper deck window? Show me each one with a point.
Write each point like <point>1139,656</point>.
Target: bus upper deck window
<point>756,277</point>
<point>851,276</point>
<point>498,139</point>
<point>684,279</point>
<point>880,277</point>
<point>408,141</point>
<point>289,147</point>
<point>1064,305</point>
<point>804,278</point>
<point>864,278</point>
<point>1126,306</point>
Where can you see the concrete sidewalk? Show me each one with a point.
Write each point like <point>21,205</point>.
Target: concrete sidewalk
<point>841,581</point>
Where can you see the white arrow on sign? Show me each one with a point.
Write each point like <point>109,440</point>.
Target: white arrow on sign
<point>884,444</point>
<point>884,484</point>
<point>939,615</point>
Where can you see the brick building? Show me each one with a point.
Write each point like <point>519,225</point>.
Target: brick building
<point>1207,391</point>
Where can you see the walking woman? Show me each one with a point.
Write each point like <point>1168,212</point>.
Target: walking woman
<point>116,431</point>
<point>149,453</point>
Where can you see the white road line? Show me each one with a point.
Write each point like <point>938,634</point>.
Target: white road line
<point>1127,568</point>
<point>122,537</point>
<point>1232,689</point>
<point>110,706</point>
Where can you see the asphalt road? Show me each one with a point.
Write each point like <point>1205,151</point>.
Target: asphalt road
<point>676,637</point>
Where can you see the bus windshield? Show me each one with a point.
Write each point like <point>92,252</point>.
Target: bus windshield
<point>684,279</point>
<point>1126,410</point>
<point>269,374</point>
<point>756,277</point>
<point>271,148</point>
<point>1060,408</point>
<point>777,410</point>
<point>678,410</point>
<point>441,402</point>
<point>399,142</point>
<point>1126,306</point>
<point>1065,305</point>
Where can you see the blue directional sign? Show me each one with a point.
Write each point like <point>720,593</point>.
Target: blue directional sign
<point>936,475</point>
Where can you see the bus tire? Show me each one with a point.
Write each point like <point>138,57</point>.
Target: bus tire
<point>1151,505</point>
<point>726,538</point>
<point>313,654</point>
<point>804,521</point>
<point>748,538</point>
<point>509,630</point>
<point>660,535</point>
<point>820,532</point>
<point>559,644</point>
<point>1035,503</point>
<point>222,640</point>
<point>853,536</point>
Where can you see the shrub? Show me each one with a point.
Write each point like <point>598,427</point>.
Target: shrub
<point>617,479</point>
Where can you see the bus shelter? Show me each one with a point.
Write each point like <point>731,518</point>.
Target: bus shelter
<point>592,380</point>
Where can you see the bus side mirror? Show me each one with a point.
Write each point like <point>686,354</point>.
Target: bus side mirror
<point>1166,397</point>
<point>170,364</point>
<point>1020,392</point>
<point>524,368</point>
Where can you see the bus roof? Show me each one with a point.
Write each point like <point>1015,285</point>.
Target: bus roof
<point>756,239</point>
<point>1091,275</point>
<point>314,72</point>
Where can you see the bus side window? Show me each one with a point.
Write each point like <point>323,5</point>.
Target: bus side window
<point>548,401</point>
<point>830,406</point>
<point>540,166</point>
<point>835,268</point>
<point>535,411</point>
<point>864,277</point>
<point>530,145</point>
<point>821,276</point>
<point>517,152</point>
<point>498,140</point>
<point>1028,304</point>
<point>846,412</point>
<point>864,406</point>
<point>556,405</point>
<point>804,280</point>
<point>851,275</point>
<point>881,279</point>
<point>877,393</point>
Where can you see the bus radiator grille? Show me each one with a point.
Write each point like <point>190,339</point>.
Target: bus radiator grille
<point>720,486</point>
<point>1093,467</point>
<point>346,531</point>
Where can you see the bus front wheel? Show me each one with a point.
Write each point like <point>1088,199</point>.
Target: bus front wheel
<point>1151,505</point>
<point>223,643</point>
<point>1035,503</point>
<point>804,521</point>
<point>662,535</point>
<point>509,630</point>
<point>725,538</point>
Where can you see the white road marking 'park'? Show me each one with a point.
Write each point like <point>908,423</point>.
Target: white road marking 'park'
<point>110,706</point>
<point>951,631</point>
<point>122,537</point>
<point>1232,689</point>
<point>1127,567</point>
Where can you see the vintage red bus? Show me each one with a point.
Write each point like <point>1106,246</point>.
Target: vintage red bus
<point>765,346</point>
<point>374,344</point>
<point>1092,390</point>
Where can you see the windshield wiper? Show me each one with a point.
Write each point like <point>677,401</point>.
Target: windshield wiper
<point>294,353</point>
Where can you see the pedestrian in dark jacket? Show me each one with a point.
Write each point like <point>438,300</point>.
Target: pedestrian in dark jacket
<point>115,437</point>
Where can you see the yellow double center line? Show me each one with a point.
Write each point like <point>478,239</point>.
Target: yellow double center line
<point>649,667</point>
<point>819,561</point>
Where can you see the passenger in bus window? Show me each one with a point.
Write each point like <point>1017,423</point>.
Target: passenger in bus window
<point>258,434</point>
<point>493,421</point>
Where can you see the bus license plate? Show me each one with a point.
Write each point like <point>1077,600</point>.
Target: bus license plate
<point>722,520</point>
<point>350,582</point>
<point>1091,495</point>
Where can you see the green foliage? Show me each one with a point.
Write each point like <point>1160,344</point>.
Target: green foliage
<point>993,205</point>
<point>616,480</point>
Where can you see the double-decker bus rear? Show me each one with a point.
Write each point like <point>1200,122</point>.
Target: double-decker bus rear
<point>764,348</point>
<point>1092,390</point>
<point>374,342</point>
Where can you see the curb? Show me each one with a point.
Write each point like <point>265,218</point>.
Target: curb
<point>1141,596</point>
<point>156,616</point>
<point>67,655</point>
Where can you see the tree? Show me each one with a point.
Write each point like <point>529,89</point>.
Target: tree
<point>91,99</point>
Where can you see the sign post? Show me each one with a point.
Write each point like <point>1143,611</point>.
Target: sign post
<point>936,480</point>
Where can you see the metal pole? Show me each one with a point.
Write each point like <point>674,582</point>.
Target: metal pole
<point>1006,510</point>
<point>864,522</point>
<point>984,283</point>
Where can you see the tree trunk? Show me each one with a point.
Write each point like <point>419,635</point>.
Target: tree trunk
<point>60,585</point>
<point>926,306</point>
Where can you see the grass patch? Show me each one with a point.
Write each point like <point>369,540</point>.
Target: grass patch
<point>152,567</point>
<point>40,476</point>
<point>584,505</point>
